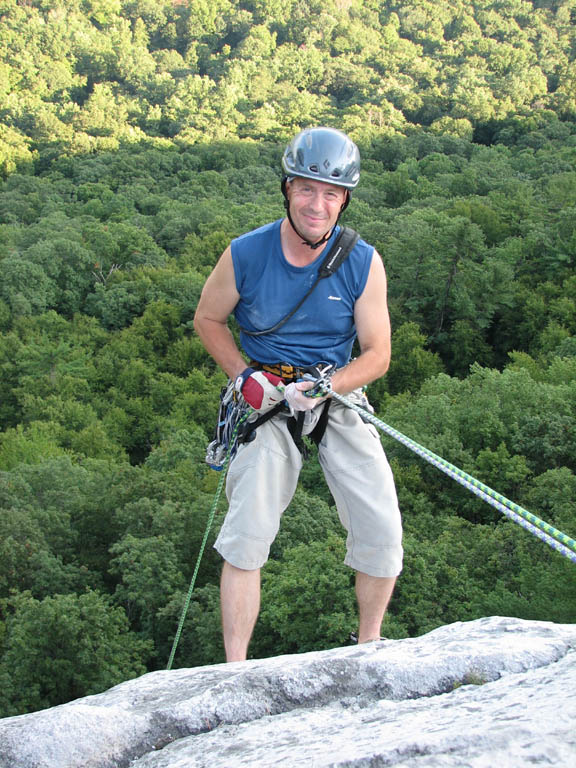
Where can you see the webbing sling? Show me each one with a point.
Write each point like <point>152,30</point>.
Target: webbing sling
<point>344,243</point>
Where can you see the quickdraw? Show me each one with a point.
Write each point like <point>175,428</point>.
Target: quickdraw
<point>232,416</point>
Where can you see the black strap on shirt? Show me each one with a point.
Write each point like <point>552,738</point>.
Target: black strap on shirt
<point>344,243</point>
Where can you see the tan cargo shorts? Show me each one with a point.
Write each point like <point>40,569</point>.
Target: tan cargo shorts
<point>262,479</point>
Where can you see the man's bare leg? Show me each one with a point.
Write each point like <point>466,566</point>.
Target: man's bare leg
<point>373,595</point>
<point>240,604</point>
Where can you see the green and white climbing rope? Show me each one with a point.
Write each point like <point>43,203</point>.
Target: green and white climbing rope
<point>543,530</point>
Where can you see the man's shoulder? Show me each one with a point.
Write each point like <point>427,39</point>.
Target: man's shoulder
<point>362,250</point>
<point>263,233</point>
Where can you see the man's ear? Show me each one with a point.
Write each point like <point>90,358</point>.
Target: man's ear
<point>346,200</point>
<point>284,187</point>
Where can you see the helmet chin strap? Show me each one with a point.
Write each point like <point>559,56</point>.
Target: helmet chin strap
<point>305,241</point>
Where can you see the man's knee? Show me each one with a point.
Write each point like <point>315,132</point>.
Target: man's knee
<point>379,562</point>
<point>240,551</point>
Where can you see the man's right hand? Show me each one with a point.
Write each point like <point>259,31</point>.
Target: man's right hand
<point>260,389</point>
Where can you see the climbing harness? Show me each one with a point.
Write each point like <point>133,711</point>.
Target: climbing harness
<point>237,422</point>
<point>344,243</point>
<point>320,374</point>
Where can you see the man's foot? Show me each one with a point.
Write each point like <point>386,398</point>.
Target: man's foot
<point>353,639</point>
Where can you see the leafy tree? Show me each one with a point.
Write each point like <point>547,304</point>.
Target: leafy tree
<point>148,574</point>
<point>29,445</point>
<point>411,363</point>
<point>32,561</point>
<point>307,599</point>
<point>26,288</point>
<point>65,647</point>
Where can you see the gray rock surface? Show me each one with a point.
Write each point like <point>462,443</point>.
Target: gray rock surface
<point>492,692</point>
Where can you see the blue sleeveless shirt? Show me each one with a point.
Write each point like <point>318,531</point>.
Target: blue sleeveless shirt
<point>269,287</point>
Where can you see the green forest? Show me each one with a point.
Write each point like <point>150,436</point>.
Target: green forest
<point>137,137</point>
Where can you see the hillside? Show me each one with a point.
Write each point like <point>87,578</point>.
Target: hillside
<point>136,139</point>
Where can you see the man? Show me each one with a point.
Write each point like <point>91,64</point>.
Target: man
<point>260,278</point>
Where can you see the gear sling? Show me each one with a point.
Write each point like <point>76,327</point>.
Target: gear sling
<point>338,253</point>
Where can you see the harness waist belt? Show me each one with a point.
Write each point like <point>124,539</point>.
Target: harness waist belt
<point>286,371</point>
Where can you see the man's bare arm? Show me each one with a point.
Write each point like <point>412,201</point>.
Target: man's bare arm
<point>217,302</point>
<point>373,328</point>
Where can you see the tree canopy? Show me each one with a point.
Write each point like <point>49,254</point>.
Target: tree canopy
<point>136,139</point>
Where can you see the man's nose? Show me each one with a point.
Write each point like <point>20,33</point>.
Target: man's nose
<point>317,200</point>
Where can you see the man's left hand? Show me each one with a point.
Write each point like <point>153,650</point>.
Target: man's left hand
<point>297,400</point>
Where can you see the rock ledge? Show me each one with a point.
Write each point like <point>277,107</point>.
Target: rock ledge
<point>496,691</point>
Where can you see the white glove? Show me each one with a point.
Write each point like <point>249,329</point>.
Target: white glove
<point>297,400</point>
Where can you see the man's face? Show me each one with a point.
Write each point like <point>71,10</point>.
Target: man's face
<point>314,206</point>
